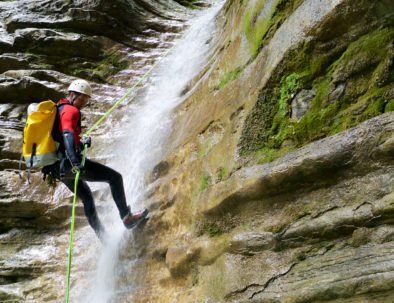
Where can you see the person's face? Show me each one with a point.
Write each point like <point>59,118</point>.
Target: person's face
<point>81,101</point>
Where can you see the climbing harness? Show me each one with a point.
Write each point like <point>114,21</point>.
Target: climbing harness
<point>85,150</point>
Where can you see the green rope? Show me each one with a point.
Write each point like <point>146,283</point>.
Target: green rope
<point>85,150</point>
<point>72,223</point>
<point>71,236</point>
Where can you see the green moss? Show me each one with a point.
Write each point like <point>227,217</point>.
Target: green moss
<point>115,60</point>
<point>45,65</point>
<point>276,228</point>
<point>389,106</point>
<point>372,46</point>
<point>265,155</point>
<point>256,22</point>
<point>77,71</point>
<point>366,92</point>
<point>322,90</point>
<point>211,229</point>
<point>255,134</point>
<point>228,76</point>
<point>279,129</point>
<point>205,182</point>
<point>223,174</point>
<point>110,65</point>
<point>374,109</point>
<point>314,125</point>
<point>260,21</point>
<point>31,54</point>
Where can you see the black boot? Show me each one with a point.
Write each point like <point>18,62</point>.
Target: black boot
<point>131,220</point>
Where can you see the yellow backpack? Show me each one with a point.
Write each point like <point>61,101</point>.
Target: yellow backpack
<point>39,148</point>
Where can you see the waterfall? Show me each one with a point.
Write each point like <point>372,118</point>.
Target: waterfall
<point>144,130</point>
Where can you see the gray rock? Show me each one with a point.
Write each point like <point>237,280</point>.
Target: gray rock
<point>178,260</point>
<point>335,94</point>
<point>160,170</point>
<point>5,46</point>
<point>51,42</point>
<point>26,90</point>
<point>8,62</point>
<point>28,86</point>
<point>11,142</point>
<point>301,103</point>
<point>251,243</point>
<point>366,274</point>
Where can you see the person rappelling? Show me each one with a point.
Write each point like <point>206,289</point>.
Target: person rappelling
<point>66,133</point>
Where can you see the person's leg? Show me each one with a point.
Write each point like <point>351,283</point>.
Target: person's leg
<point>85,194</point>
<point>97,172</point>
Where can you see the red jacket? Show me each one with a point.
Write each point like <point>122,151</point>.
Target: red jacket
<point>70,119</point>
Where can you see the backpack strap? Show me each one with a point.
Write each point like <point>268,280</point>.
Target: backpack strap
<point>33,153</point>
<point>59,138</point>
<point>20,166</point>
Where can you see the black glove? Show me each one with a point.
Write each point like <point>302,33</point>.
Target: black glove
<point>86,141</point>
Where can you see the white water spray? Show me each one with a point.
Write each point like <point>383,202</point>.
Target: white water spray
<point>148,125</point>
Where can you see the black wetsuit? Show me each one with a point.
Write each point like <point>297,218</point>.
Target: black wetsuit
<point>66,132</point>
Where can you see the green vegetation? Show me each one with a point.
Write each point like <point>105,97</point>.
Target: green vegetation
<point>261,21</point>
<point>362,73</point>
<point>265,155</point>
<point>44,65</point>
<point>34,55</point>
<point>211,229</point>
<point>205,182</point>
<point>228,76</point>
<point>290,85</point>
<point>223,174</point>
<point>109,66</point>
<point>256,22</point>
<point>78,71</point>
<point>389,106</point>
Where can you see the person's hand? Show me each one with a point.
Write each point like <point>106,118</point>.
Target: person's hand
<point>86,141</point>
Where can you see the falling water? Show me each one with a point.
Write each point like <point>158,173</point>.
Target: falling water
<point>145,131</point>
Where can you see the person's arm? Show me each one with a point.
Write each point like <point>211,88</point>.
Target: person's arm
<point>69,120</point>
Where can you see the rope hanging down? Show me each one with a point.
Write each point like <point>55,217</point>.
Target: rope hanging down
<point>85,150</point>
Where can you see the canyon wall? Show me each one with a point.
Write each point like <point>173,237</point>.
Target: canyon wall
<point>277,184</point>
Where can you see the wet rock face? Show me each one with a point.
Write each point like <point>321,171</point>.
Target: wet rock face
<point>307,218</point>
<point>279,187</point>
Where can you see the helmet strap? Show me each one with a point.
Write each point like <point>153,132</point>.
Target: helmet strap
<point>76,95</point>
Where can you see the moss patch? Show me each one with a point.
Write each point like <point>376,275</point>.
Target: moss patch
<point>205,182</point>
<point>110,65</point>
<point>262,18</point>
<point>211,229</point>
<point>389,106</point>
<point>351,84</point>
<point>228,76</point>
<point>222,174</point>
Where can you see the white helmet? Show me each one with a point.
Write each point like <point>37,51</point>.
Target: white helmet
<point>80,86</point>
